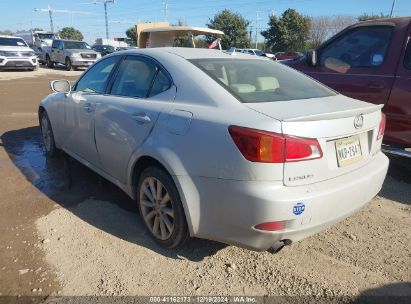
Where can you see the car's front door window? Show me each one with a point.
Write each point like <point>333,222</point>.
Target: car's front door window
<point>95,79</point>
<point>361,47</point>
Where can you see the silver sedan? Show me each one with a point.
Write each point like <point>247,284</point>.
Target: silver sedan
<point>219,145</point>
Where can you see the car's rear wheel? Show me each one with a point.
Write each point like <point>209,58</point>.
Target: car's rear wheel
<point>161,209</point>
<point>69,66</point>
<point>50,64</point>
<point>47,135</point>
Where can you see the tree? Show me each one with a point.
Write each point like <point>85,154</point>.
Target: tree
<point>288,33</point>
<point>234,27</point>
<point>323,27</point>
<point>132,36</point>
<point>366,16</point>
<point>70,33</point>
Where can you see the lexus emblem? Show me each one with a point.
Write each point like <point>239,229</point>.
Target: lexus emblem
<point>359,121</point>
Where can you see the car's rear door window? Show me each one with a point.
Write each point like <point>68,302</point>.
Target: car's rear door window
<point>134,78</point>
<point>95,79</point>
<point>161,83</point>
<point>261,80</point>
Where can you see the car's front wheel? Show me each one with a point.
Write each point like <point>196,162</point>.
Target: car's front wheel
<point>47,135</point>
<point>160,208</point>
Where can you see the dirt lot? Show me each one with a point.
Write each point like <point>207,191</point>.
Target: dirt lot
<point>65,231</point>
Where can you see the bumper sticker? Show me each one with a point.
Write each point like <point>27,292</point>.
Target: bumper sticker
<point>298,208</point>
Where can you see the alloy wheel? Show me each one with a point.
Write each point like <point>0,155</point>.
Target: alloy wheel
<point>157,208</point>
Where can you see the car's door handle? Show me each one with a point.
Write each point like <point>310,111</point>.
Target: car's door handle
<point>141,118</point>
<point>88,107</point>
<point>376,85</point>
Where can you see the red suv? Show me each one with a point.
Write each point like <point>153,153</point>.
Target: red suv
<point>370,61</point>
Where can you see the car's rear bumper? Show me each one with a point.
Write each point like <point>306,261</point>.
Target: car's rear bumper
<point>228,210</point>
<point>18,63</point>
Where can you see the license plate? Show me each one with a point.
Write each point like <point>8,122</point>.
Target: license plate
<point>348,150</point>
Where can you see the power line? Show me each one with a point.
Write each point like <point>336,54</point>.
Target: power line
<point>51,11</point>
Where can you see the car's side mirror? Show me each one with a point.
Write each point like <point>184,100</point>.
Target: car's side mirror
<point>311,58</point>
<point>61,86</point>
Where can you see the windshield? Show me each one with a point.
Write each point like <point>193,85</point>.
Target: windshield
<point>45,36</point>
<point>259,53</point>
<point>254,81</point>
<point>76,45</point>
<point>12,41</point>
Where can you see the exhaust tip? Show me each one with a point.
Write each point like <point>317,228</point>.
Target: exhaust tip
<point>276,248</point>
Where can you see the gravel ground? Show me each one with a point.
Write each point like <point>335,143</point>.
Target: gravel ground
<point>65,231</point>
<point>97,248</point>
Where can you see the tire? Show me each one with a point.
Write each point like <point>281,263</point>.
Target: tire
<point>68,65</point>
<point>47,135</point>
<point>50,64</point>
<point>161,209</point>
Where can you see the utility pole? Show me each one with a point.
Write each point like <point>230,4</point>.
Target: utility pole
<point>105,2</point>
<point>392,8</point>
<point>165,9</point>
<point>51,19</point>
<point>257,25</point>
<point>105,14</point>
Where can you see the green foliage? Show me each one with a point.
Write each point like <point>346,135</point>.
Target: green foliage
<point>71,33</point>
<point>234,27</point>
<point>288,33</point>
<point>366,16</point>
<point>182,42</point>
<point>132,36</point>
<point>201,43</point>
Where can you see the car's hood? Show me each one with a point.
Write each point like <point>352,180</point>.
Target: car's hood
<point>332,107</point>
<point>15,48</point>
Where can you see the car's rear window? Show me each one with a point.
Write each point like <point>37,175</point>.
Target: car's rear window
<point>254,81</point>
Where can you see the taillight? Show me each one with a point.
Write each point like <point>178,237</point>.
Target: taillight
<point>381,129</point>
<point>271,226</point>
<point>269,147</point>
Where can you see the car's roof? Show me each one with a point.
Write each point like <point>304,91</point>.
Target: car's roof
<point>7,36</point>
<point>190,53</point>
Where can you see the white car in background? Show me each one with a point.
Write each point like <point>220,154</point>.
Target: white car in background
<point>257,52</point>
<point>15,54</point>
<point>233,148</point>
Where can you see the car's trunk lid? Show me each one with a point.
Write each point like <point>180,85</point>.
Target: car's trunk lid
<point>345,142</point>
